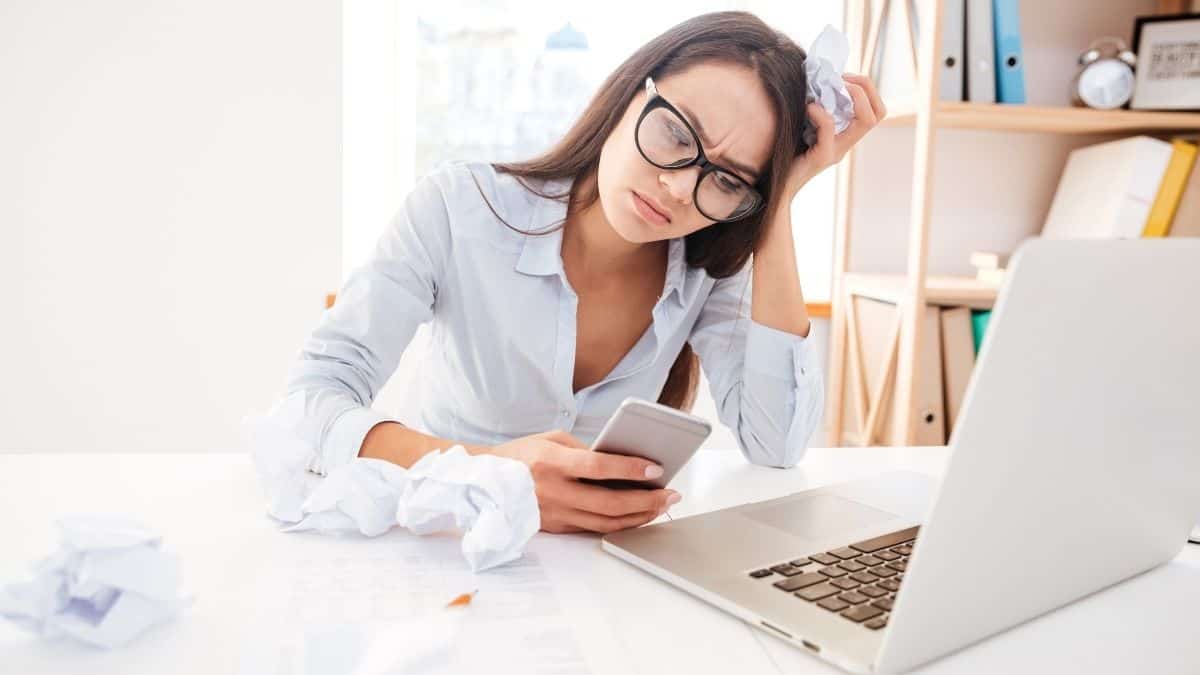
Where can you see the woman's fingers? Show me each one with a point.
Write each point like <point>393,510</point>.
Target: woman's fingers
<point>824,123</point>
<point>610,502</point>
<point>582,463</point>
<point>873,96</point>
<point>822,154</point>
<point>600,523</point>
<point>863,112</point>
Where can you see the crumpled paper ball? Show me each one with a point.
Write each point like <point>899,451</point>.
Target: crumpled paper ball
<point>491,498</point>
<point>108,583</point>
<point>824,65</point>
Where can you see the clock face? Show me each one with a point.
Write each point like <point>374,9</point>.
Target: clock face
<point>1106,84</point>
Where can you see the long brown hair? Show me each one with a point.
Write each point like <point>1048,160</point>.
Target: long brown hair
<point>722,249</point>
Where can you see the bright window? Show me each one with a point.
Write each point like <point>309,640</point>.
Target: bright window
<point>500,80</point>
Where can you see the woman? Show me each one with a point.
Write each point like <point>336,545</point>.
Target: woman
<point>559,286</point>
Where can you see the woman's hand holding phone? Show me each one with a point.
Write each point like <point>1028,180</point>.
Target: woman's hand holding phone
<point>557,460</point>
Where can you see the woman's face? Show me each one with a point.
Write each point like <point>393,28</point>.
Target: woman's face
<point>730,110</point>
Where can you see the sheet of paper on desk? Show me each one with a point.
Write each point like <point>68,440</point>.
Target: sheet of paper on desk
<point>379,606</point>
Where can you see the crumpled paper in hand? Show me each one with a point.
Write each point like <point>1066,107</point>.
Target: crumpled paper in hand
<point>108,583</point>
<point>824,65</point>
<point>491,498</point>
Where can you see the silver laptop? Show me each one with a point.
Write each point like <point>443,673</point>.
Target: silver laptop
<point>1079,436</point>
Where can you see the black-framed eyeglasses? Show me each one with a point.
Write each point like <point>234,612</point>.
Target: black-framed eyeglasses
<point>666,140</point>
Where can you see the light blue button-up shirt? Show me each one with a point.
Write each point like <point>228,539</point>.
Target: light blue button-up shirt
<point>503,335</point>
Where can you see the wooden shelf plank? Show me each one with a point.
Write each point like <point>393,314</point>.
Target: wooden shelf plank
<point>1043,119</point>
<point>950,291</point>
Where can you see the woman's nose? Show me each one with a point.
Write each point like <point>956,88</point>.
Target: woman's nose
<point>680,184</point>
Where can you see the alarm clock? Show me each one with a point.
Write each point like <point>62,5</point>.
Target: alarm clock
<point>1105,78</point>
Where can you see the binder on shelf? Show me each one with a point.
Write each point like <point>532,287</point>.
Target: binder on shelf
<point>1186,222</point>
<point>1170,191</point>
<point>979,324</point>
<point>980,52</point>
<point>950,83</point>
<point>930,404</point>
<point>950,56</point>
<point>958,359</point>
<point>1010,62</point>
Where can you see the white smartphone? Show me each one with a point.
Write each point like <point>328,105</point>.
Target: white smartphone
<point>653,431</point>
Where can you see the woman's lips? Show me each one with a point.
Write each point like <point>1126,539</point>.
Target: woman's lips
<point>648,212</point>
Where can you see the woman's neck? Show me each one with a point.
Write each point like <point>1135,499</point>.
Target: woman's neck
<point>597,253</point>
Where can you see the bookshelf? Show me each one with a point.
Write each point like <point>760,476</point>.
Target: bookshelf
<point>925,115</point>
<point>953,291</point>
<point>1043,119</point>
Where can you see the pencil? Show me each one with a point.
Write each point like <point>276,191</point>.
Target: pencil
<point>462,600</point>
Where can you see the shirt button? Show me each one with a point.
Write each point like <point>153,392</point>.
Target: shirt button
<point>566,413</point>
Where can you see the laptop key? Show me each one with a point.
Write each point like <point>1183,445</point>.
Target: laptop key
<point>825,559</point>
<point>845,583</point>
<point>883,603</point>
<point>898,566</point>
<point>873,591</point>
<point>854,598</point>
<point>802,581</point>
<point>801,562</point>
<point>819,592</point>
<point>833,572</point>
<point>886,541</point>
<point>845,553</point>
<point>876,623</point>
<point>890,584</point>
<point>786,570</point>
<point>851,566</point>
<point>860,613</point>
<point>903,550</point>
<point>833,604</point>
<point>864,577</point>
<point>869,561</point>
<point>883,571</point>
<point>886,555</point>
<point>758,574</point>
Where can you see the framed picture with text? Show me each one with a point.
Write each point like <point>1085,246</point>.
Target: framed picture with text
<point>1168,62</point>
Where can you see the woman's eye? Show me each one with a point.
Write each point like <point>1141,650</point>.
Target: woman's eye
<point>727,184</point>
<point>681,137</point>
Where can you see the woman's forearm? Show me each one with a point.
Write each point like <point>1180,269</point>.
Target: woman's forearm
<point>402,445</point>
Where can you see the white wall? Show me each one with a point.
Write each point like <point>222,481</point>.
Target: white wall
<point>169,215</point>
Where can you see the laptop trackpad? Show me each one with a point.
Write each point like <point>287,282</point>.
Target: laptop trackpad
<point>817,516</point>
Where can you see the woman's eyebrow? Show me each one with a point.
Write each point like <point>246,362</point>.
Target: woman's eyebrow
<point>695,122</point>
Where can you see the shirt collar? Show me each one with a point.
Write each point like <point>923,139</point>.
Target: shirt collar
<point>541,255</point>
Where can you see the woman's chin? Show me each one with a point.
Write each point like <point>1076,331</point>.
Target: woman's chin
<point>634,231</point>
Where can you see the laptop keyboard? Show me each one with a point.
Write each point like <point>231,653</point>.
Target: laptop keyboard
<point>859,581</point>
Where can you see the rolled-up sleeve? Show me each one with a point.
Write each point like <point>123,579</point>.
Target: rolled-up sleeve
<point>356,347</point>
<point>767,383</point>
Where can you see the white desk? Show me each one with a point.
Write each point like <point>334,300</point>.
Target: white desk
<point>211,512</point>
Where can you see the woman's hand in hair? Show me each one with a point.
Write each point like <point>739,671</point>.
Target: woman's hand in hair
<point>830,147</point>
<point>557,460</point>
